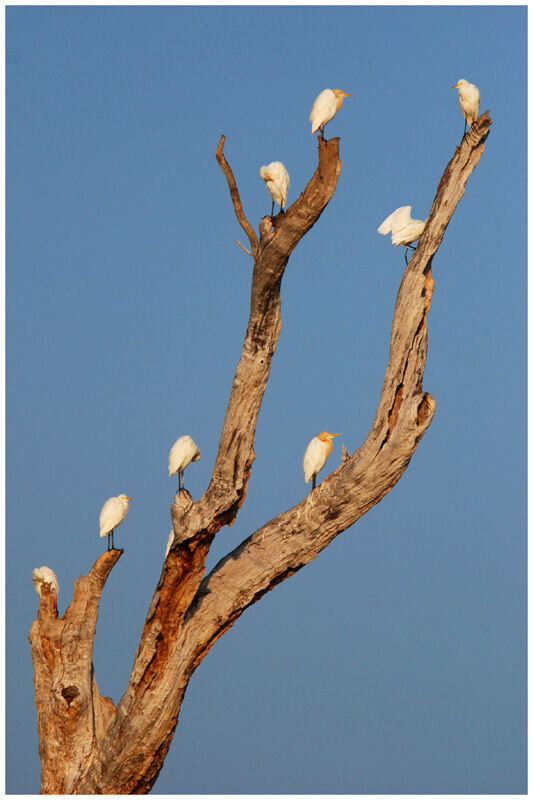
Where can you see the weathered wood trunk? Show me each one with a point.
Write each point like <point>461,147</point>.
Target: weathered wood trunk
<point>89,746</point>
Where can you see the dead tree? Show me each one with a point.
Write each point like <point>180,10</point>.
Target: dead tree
<point>88,745</point>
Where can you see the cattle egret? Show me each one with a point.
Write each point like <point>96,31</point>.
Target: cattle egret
<point>276,178</point>
<point>113,512</point>
<point>315,456</point>
<point>42,575</point>
<point>184,450</point>
<point>404,229</point>
<point>325,107</point>
<point>468,100</point>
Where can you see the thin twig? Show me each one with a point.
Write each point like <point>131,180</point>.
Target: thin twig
<point>234,192</point>
<point>244,248</point>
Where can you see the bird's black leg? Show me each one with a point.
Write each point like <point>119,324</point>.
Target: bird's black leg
<point>314,482</point>
<point>113,539</point>
<point>408,247</point>
<point>272,210</point>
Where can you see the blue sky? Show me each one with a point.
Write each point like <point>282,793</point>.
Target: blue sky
<point>396,661</point>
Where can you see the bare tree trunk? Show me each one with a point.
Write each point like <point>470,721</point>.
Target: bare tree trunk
<point>87,746</point>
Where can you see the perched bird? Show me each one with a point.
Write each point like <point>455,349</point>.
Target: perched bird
<point>468,100</point>
<point>113,512</point>
<point>404,229</point>
<point>315,456</point>
<point>276,178</point>
<point>42,575</point>
<point>325,107</point>
<point>184,450</point>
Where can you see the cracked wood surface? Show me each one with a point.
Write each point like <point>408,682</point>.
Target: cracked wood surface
<point>122,750</point>
<point>72,716</point>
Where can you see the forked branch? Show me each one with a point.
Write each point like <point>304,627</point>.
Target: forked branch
<point>235,197</point>
<point>295,537</point>
<point>154,672</point>
<point>72,716</point>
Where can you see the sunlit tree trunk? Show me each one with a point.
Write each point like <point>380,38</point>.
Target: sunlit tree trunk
<point>87,744</point>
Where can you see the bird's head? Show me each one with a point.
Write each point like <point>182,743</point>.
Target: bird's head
<point>459,85</point>
<point>125,498</point>
<point>325,436</point>
<point>340,95</point>
<point>263,172</point>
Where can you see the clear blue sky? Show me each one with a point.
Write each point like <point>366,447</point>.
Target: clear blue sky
<point>396,661</point>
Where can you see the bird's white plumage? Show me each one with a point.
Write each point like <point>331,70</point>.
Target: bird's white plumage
<point>183,451</point>
<point>42,575</point>
<point>276,178</point>
<point>469,97</point>
<point>314,458</point>
<point>326,106</point>
<point>404,229</point>
<point>316,454</point>
<point>113,512</point>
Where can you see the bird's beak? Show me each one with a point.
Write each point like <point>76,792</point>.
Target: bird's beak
<point>334,434</point>
<point>129,498</point>
<point>267,178</point>
<point>347,94</point>
<point>455,86</point>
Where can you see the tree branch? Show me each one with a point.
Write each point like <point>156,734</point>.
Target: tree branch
<point>195,524</point>
<point>71,714</point>
<point>244,248</point>
<point>235,198</point>
<point>292,539</point>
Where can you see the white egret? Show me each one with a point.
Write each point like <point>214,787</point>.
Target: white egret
<point>325,107</point>
<point>404,229</point>
<point>468,100</point>
<point>315,456</point>
<point>42,575</point>
<point>276,178</point>
<point>183,451</point>
<point>113,512</point>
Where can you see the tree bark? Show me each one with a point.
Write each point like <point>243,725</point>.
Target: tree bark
<point>88,746</point>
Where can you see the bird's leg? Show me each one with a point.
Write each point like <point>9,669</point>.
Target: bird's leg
<point>408,247</point>
<point>314,482</point>
<point>113,539</point>
<point>272,212</point>
<point>108,542</point>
